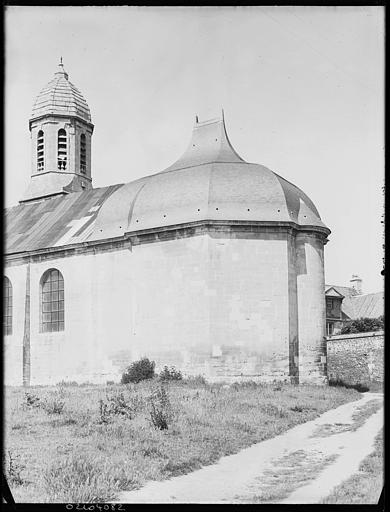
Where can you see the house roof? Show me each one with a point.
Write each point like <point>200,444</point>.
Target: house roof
<point>60,96</point>
<point>209,182</point>
<point>332,292</point>
<point>346,291</point>
<point>369,305</point>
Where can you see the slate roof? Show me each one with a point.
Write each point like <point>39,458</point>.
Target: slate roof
<point>60,96</point>
<point>209,182</point>
<point>369,305</point>
<point>54,222</point>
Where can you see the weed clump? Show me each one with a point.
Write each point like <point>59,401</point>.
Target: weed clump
<point>245,384</point>
<point>53,406</point>
<point>168,374</point>
<point>301,408</point>
<point>138,371</point>
<point>104,413</point>
<point>274,410</point>
<point>32,400</point>
<point>115,405</point>
<point>12,468</point>
<point>195,380</point>
<point>67,383</point>
<point>161,410</point>
<point>78,478</point>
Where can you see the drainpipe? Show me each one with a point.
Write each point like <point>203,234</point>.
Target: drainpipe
<point>26,334</point>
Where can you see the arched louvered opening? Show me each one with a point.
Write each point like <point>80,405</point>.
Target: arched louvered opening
<point>40,151</point>
<point>62,150</point>
<point>7,318</point>
<point>83,154</point>
<point>52,303</point>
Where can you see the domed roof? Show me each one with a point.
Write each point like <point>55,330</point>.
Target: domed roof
<point>210,182</point>
<point>60,96</point>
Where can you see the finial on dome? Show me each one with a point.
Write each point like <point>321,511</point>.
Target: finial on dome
<point>196,119</point>
<point>62,70</point>
<point>223,115</point>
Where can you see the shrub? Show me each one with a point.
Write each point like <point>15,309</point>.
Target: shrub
<point>138,371</point>
<point>363,325</point>
<point>170,374</point>
<point>161,410</point>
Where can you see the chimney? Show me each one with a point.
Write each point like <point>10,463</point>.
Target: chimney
<point>356,283</point>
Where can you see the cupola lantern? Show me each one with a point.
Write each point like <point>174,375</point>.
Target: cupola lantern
<point>61,132</point>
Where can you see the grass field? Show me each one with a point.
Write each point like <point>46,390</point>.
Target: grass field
<point>87,443</point>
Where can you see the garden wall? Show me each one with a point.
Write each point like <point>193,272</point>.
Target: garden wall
<point>356,358</point>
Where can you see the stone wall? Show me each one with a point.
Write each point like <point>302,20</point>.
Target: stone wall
<point>210,304</point>
<point>311,307</point>
<point>356,358</point>
<point>222,303</point>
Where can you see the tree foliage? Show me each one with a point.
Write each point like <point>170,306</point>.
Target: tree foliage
<point>363,325</point>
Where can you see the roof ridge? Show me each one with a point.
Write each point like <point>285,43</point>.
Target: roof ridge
<point>365,294</point>
<point>199,165</point>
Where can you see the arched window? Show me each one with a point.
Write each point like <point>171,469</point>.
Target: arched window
<point>83,154</point>
<point>52,301</point>
<point>40,151</point>
<point>7,294</point>
<point>62,150</point>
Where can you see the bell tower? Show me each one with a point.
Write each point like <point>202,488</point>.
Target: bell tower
<point>61,132</point>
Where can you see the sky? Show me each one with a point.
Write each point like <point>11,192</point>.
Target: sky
<point>302,89</point>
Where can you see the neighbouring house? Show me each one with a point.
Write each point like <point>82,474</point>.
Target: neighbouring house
<point>345,303</point>
<point>213,265</point>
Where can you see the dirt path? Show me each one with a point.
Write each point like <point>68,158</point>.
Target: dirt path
<point>302,465</point>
